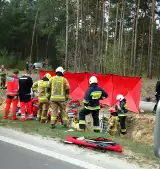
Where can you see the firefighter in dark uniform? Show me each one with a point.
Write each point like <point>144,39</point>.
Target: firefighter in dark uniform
<point>122,110</point>
<point>157,95</point>
<point>91,104</point>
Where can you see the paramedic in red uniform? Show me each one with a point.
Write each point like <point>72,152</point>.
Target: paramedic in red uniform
<point>25,85</point>
<point>12,84</point>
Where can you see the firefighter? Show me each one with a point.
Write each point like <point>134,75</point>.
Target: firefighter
<point>12,83</point>
<point>59,93</point>
<point>25,85</point>
<point>113,122</point>
<point>122,110</point>
<point>91,104</point>
<point>43,97</point>
<point>3,74</point>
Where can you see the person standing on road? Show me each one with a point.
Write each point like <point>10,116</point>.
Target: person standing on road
<point>25,85</point>
<point>59,93</point>
<point>157,95</point>
<point>92,104</point>
<point>12,83</point>
<point>43,97</point>
<point>3,74</point>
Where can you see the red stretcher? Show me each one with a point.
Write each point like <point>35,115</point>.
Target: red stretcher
<point>97,143</point>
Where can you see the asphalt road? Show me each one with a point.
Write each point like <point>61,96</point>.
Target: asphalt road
<point>14,157</point>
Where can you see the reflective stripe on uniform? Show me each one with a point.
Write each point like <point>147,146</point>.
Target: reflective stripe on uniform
<point>65,118</point>
<point>112,130</point>
<point>92,108</point>
<point>30,116</point>
<point>23,115</point>
<point>57,98</point>
<point>53,118</point>
<point>96,128</point>
<point>82,122</point>
<point>43,118</point>
<point>12,93</point>
<point>123,130</point>
<point>122,115</point>
<point>42,99</point>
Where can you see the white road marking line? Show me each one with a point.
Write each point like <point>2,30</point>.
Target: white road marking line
<point>50,153</point>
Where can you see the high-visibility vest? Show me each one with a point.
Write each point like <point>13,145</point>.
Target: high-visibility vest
<point>42,91</point>
<point>12,85</point>
<point>58,92</point>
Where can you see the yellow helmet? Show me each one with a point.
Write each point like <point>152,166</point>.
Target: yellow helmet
<point>47,75</point>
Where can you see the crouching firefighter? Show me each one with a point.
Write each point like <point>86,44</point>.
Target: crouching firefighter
<point>12,83</point>
<point>43,97</point>
<point>92,104</point>
<point>59,94</point>
<point>122,110</point>
<point>113,122</point>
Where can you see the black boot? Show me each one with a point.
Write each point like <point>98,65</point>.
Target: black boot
<point>53,126</point>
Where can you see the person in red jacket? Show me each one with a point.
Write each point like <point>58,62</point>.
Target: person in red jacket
<point>12,83</point>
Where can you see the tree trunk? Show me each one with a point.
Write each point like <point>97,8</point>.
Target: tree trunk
<point>105,54</point>
<point>37,48</point>
<point>133,37</point>
<point>122,29</point>
<point>119,43</point>
<point>33,33</point>
<point>115,38</point>
<point>77,33</point>
<point>151,42</point>
<point>135,40</point>
<point>66,47</point>
<point>47,45</point>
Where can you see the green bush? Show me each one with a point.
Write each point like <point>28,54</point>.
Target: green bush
<point>10,60</point>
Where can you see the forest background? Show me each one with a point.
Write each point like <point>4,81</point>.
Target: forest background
<point>101,36</point>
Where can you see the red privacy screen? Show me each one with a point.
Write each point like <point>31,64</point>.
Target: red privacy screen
<point>112,84</point>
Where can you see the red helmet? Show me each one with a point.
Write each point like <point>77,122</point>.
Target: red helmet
<point>112,110</point>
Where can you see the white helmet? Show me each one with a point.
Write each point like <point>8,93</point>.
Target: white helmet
<point>60,69</point>
<point>119,97</point>
<point>93,79</point>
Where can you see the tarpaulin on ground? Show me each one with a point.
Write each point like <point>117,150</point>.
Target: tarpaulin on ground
<point>112,84</point>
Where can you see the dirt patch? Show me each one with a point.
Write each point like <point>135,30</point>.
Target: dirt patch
<point>141,128</point>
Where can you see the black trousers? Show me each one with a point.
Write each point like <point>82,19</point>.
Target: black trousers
<point>95,115</point>
<point>157,100</point>
<point>122,120</point>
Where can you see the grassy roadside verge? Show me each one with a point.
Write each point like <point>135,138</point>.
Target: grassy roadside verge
<point>34,127</point>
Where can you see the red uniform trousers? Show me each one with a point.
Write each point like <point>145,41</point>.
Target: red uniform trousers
<point>14,101</point>
<point>26,106</point>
